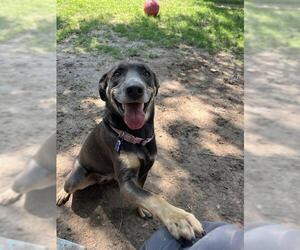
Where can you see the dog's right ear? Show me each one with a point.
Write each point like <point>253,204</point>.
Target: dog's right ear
<point>156,82</point>
<point>103,86</point>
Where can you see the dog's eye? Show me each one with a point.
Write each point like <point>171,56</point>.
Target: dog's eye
<point>116,75</point>
<point>146,74</point>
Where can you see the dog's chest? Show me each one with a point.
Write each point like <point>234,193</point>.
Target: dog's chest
<point>139,158</point>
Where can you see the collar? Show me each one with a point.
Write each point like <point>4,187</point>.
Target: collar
<point>123,135</point>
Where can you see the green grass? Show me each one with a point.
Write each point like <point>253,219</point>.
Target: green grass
<point>268,28</point>
<point>200,23</point>
<point>285,2</point>
<point>93,44</point>
<point>226,1</point>
<point>28,17</point>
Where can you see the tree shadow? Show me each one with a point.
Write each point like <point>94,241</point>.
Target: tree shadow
<point>201,188</point>
<point>27,57</point>
<point>271,152</point>
<point>227,2</point>
<point>40,38</point>
<point>41,203</point>
<point>215,29</point>
<point>100,203</point>
<point>211,188</point>
<point>214,177</point>
<point>268,192</point>
<point>274,27</point>
<point>6,23</point>
<point>203,192</point>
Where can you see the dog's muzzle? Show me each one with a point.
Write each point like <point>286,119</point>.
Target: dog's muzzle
<point>135,92</point>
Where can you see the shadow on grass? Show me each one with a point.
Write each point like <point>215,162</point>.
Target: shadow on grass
<point>6,23</point>
<point>230,2</point>
<point>210,28</point>
<point>40,37</point>
<point>202,30</point>
<point>272,26</point>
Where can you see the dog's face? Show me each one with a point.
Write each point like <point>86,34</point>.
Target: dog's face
<point>129,89</point>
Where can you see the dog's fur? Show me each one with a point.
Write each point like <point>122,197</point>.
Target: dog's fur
<point>39,173</point>
<point>98,161</point>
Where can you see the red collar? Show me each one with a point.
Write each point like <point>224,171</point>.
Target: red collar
<point>123,135</point>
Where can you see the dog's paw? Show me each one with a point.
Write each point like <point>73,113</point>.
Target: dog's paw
<point>62,197</point>
<point>9,197</point>
<point>182,224</point>
<point>144,213</point>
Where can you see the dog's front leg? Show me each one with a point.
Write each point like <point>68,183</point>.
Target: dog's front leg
<point>179,222</point>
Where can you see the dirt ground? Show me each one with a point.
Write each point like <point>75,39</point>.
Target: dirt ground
<point>199,130</point>
<point>271,146</point>
<point>27,114</point>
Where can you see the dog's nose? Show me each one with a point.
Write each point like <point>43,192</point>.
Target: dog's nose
<point>135,91</point>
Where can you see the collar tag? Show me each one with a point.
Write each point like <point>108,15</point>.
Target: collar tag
<point>118,145</point>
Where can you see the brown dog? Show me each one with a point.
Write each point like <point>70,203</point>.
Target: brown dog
<point>123,147</point>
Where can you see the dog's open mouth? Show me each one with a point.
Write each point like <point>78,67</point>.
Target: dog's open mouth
<point>133,114</point>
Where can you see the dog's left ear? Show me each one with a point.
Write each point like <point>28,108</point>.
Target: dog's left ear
<point>103,86</point>
<point>156,82</point>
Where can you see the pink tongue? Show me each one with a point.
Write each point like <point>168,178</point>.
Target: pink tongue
<point>134,116</point>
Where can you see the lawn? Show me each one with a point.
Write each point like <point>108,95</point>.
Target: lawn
<point>212,25</point>
<point>272,28</point>
<point>33,20</point>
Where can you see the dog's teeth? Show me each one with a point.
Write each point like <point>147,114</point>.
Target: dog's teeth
<point>123,106</point>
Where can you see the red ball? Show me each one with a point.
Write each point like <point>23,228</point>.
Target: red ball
<point>151,7</point>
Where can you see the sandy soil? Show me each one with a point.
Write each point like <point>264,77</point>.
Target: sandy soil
<point>271,138</point>
<point>199,129</point>
<point>27,114</point>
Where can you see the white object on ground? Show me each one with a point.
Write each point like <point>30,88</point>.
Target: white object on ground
<point>68,245</point>
<point>10,244</point>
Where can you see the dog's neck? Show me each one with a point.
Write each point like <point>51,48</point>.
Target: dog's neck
<point>116,121</point>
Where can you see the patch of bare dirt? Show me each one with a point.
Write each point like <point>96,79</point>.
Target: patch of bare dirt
<point>272,130</point>
<point>199,129</point>
<point>27,114</point>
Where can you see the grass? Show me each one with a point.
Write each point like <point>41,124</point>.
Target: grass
<point>268,28</point>
<point>33,19</point>
<point>274,2</point>
<point>226,1</point>
<point>201,23</point>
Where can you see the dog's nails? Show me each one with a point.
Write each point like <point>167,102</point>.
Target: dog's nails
<point>202,234</point>
<point>193,240</point>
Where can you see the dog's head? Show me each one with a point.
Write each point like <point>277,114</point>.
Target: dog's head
<point>129,89</point>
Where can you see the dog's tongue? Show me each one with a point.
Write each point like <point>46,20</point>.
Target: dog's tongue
<point>134,116</point>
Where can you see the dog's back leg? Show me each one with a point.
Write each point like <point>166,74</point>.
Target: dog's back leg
<point>78,179</point>
<point>8,197</point>
<point>33,177</point>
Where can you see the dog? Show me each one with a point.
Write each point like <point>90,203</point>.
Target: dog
<point>122,147</point>
<point>39,174</point>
